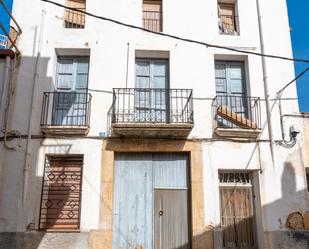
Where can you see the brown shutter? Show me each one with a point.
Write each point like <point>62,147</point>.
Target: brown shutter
<point>75,17</point>
<point>227,17</point>
<point>152,15</point>
<point>61,193</point>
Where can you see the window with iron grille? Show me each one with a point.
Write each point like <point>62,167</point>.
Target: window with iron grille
<point>152,15</point>
<point>236,207</point>
<point>228,20</point>
<point>61,193</point>
<point>73,19</point>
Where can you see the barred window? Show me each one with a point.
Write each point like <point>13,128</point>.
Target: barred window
<point>152,15</point>
<point>73,19</point>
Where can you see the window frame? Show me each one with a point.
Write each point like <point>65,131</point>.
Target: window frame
<point>75,61</point>
<point>73,25</point>
<point>159,2</point>
<point>234,4</point>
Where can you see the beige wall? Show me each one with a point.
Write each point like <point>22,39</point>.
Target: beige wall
<point>201,237</point>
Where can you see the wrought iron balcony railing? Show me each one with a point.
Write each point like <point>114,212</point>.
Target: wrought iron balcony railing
<point>74,19</point>
<point>232,111</point>
<point>148,105</point>
<point>152,20</point>
<point>66,109</point>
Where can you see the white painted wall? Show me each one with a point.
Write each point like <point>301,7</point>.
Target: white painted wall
<point>191,66</point>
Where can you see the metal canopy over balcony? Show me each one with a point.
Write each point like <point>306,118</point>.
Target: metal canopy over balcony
<point>152,112</point>
<point>237,116</point>
<point>66,113</point>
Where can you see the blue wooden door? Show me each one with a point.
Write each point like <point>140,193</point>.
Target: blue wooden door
<point>139,177</point>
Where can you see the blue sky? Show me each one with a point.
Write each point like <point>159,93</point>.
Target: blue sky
<point>299,22</point>
<point>4,19</point>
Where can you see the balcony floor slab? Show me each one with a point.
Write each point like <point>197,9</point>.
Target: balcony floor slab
<point>65,130</point>
<point>149,130</point>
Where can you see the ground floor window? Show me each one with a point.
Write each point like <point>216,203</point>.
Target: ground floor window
<point>61,192</point>
<point>237,212</point>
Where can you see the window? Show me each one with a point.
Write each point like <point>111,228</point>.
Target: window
<point>152,15</point>
<point>151,96</point>
<point>236,207</point>
<point>231,93</point>
<point>72,73</point>
<point>61,193</point>
<point>227,18</point>
<point>70,100</point>
<point>72,18</point>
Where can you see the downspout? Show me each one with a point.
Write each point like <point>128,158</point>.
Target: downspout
<point>265,80</point>
<point>27,165</point>
<point>6,80</point>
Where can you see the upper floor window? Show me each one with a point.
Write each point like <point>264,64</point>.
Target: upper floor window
<point>228,20</point>
<point>152,15</point>
<point>72,73</point>
<point>74,19</point>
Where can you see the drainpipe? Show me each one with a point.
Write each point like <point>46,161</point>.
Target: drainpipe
<point>265,80</point>
<point>6,80</point>
<point>27,165</point>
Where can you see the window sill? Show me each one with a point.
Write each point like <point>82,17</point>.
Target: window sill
<point>65,130</point>
<point>237,133</point>
<point>59,230</point>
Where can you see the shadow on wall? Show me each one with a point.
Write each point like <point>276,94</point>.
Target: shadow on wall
<point>14,215</point>
<point>290,232</point>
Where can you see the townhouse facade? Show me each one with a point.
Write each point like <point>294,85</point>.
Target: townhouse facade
<point>116,137</point>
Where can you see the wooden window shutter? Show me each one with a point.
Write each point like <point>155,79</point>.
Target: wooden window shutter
<point>152,15</point>
<point>75,17</point>
<point>227,18</point>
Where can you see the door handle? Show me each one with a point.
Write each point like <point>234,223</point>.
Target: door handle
<point>161,213</point>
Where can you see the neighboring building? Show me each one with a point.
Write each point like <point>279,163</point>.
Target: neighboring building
<point>115,137</point>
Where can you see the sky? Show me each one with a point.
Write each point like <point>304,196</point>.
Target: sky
<point>299,23</point>
<point>4,18</point>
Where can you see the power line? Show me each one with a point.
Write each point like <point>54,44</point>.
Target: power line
<point>288,84</point>
<point>176,37</point>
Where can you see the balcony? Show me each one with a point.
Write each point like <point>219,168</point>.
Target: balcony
<point>152,20</point>
<point>66,113</point>
<point>138,112</point>
<point>236,116</point>
<point>74,19</point>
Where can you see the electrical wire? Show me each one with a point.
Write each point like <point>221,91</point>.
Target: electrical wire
<point>279,93</point>
<point>176,37</point>
<point>292,142</point>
